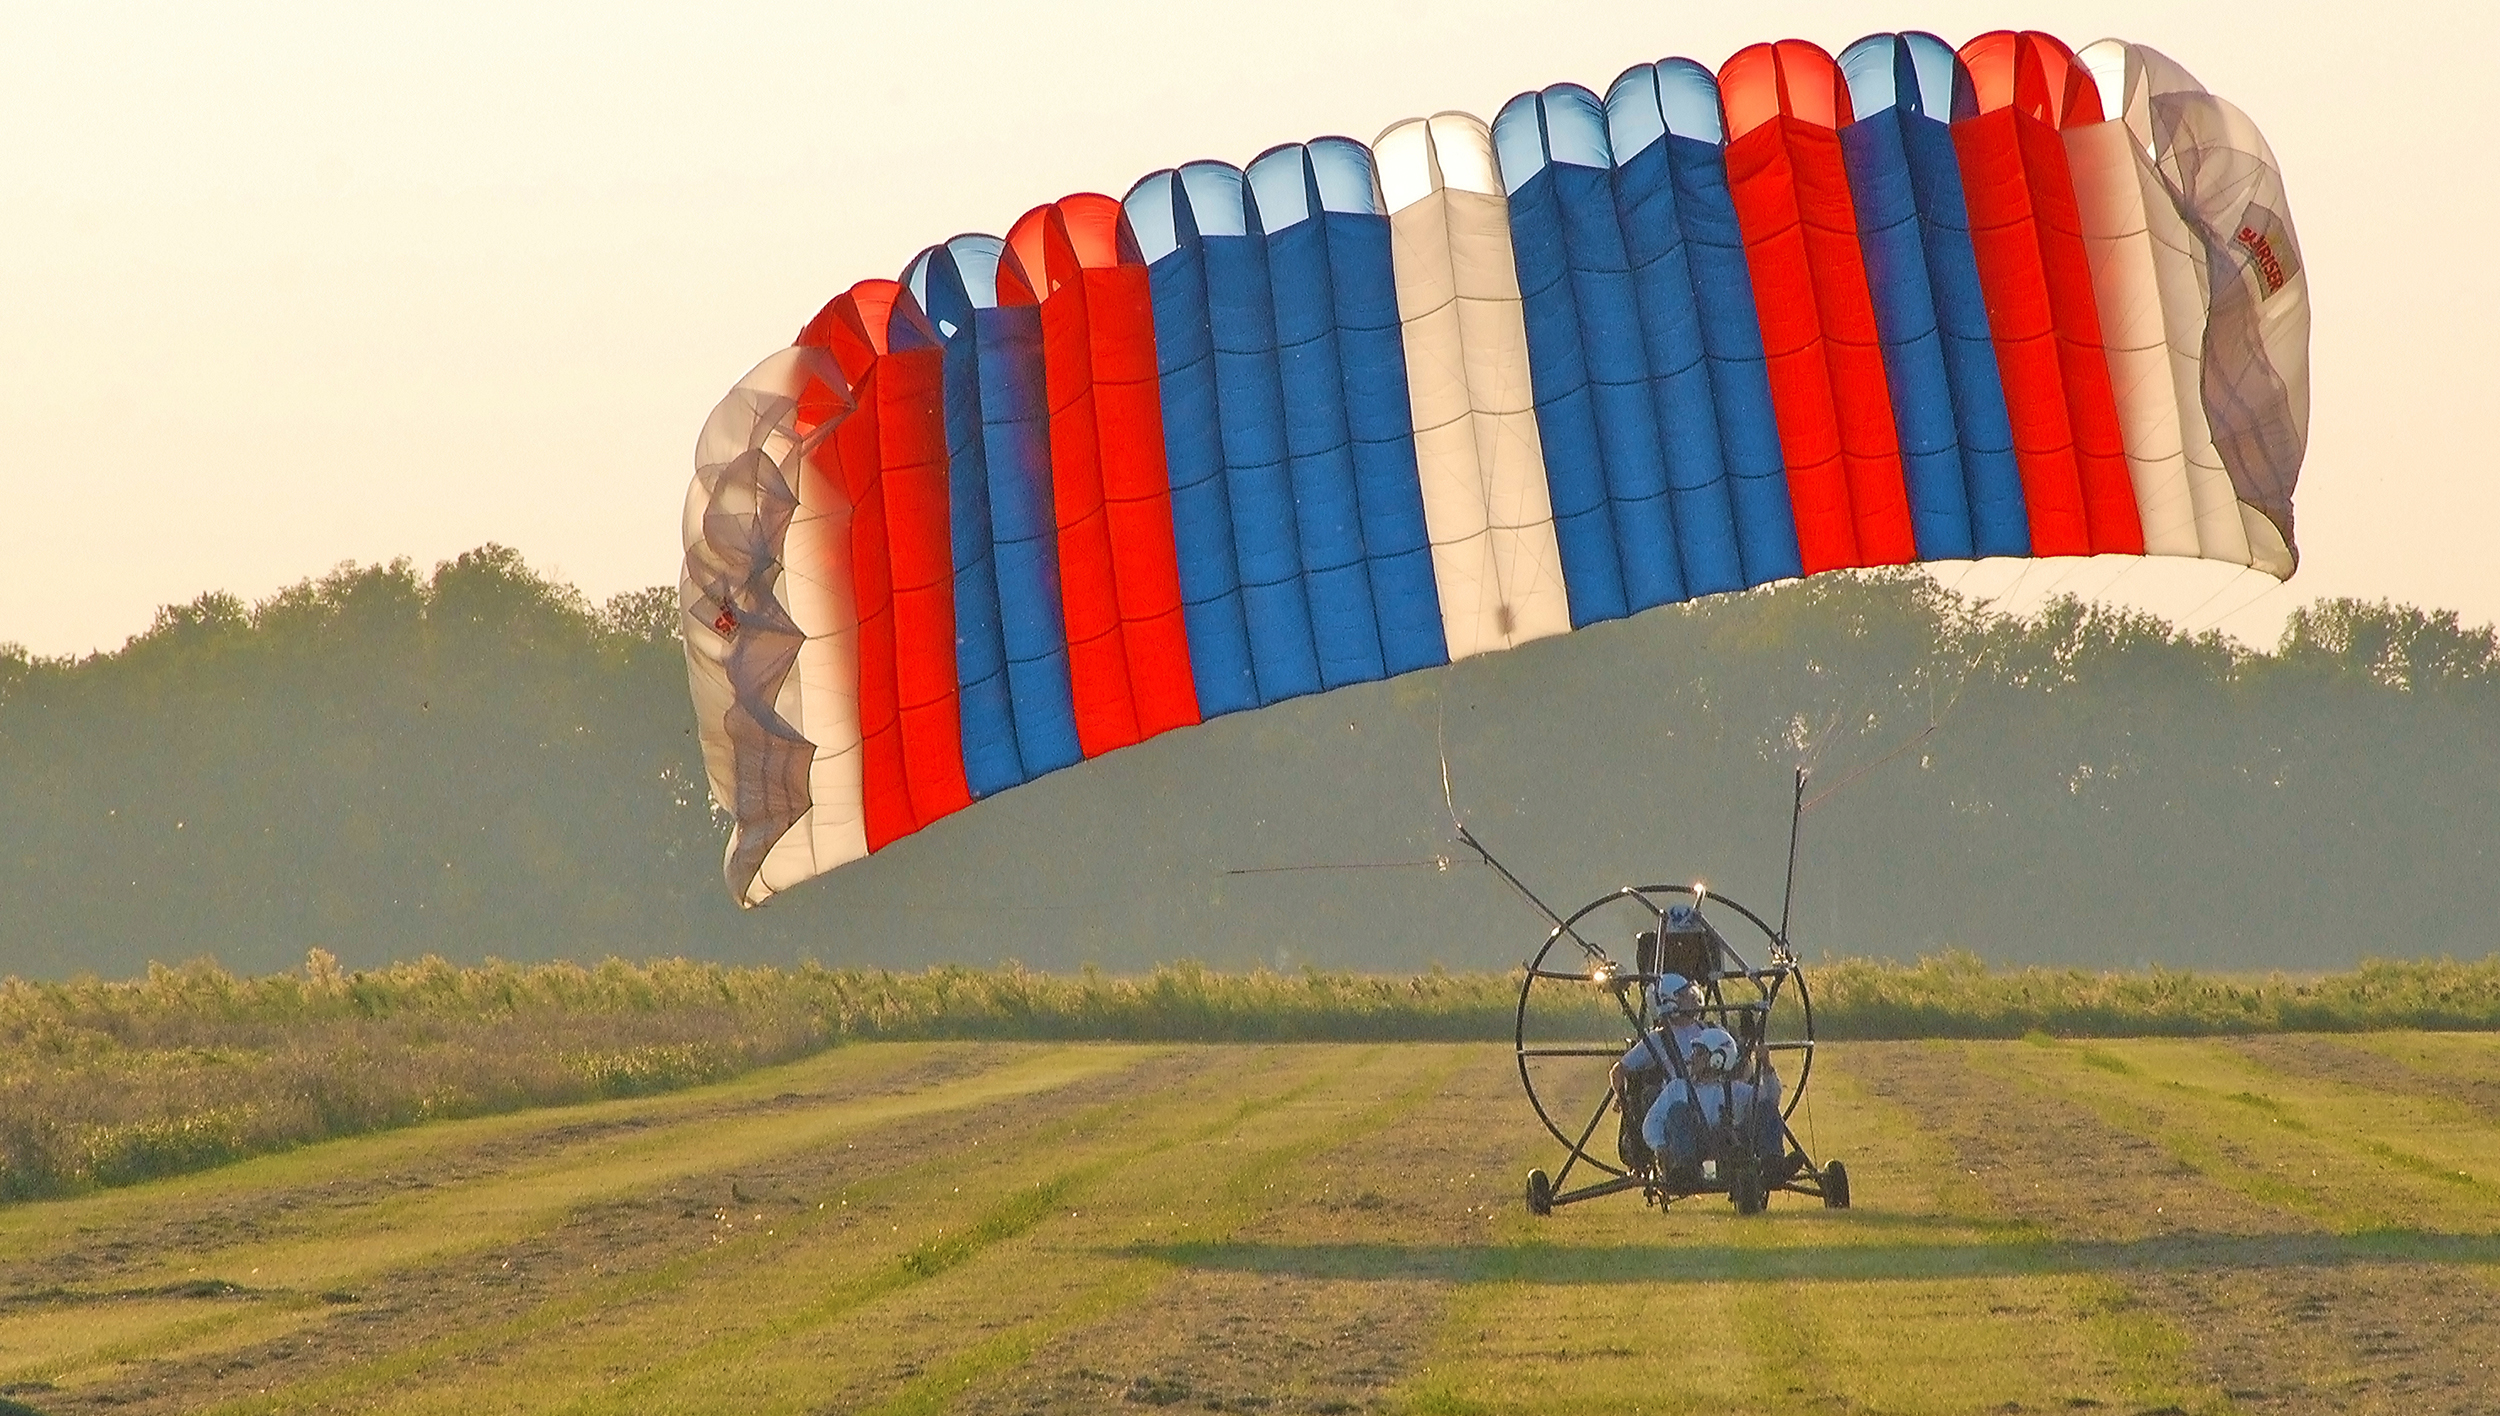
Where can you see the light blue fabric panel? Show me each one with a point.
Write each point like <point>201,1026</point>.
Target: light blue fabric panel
<point>1575,471</point>
<point>992,760</point>
<point>1024,529</point>
<point>1336,567</point>
<point>1193,449</point>
<point>1371,354</point>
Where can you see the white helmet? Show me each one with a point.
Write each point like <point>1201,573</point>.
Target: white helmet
<point>1717,1049</point>
<point>1673,994</point>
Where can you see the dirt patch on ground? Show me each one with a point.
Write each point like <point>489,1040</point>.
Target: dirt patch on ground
<point>601,1243</point>
<point>2279,1315</point>
<point>1216,1340</point>
<point>2334,1059</point>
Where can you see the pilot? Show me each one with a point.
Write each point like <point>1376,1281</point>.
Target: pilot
<point>1675,1020</point>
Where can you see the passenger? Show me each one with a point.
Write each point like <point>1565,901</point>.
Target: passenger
<point>1688,1109</point>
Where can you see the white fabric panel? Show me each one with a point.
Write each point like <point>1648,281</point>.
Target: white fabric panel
<point>2203,167</point>
<point>767,554</point>
<point>2179,270</point>
<point>1486,506</point>
<point>2179,263</point>
<point>2118,241</point>
<point>2266,550</point>
<point>821,698</point>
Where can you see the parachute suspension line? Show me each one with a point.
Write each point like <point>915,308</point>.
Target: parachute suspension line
<point>1788,893</point>
<point>2126,567</point>
<point>2073,564</point>
<point>2238,573</point>
<point>1935,721</point>
<point>2267,585</point>
<point>1468,839</point>
<point>1441,862</point>
<point>1969,568</point>
<point>1441,742</point>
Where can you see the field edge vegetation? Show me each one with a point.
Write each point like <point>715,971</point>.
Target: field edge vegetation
<point>110,1082</point>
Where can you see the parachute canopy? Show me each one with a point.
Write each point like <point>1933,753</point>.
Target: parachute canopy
<point>1354,411</point>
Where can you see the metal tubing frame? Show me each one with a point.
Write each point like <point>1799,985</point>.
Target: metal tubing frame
<point>1808,1180</point>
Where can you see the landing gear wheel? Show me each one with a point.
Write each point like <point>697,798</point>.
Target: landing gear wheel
<point>1540,1193</point>
<point>1835,1186</point>
<point>1746,1189</point>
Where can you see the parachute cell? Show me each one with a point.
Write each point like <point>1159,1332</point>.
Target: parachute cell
<point>1350,412</point>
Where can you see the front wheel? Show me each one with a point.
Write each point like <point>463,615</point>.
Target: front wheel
<point>1540,1193</point>
<point>1747,1190</point>
<point>1836,1186</point>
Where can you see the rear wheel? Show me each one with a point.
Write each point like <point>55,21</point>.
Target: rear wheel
<point>1540,1193</point>
<point>1836,1186</point>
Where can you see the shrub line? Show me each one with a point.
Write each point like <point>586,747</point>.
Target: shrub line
<point>113,1082</point>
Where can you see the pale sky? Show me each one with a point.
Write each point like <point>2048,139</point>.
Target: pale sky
<point>291,285</point>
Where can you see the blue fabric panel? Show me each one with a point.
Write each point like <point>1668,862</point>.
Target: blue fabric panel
<point>1015,448</point>
<point>1895,249</point>
<point>1193,454</point>
<point>1267,543</point>
<point>1619,393</point>
<point>1993,485</point>
<point>992,761</point>
<point>1372,357</point>
<point>1686,410</point>
<point>1731,333</point>
<point>1566,420</point>
<point>1345,629</point>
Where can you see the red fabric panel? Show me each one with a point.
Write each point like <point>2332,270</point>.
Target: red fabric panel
<point>911,379</point>
<point>1128,651</point>
<point>2028,232</point>
<point>892,461</point>
<point>2013,273</point>
<point>1794,77</point>
<point>2100,446</point>
<point>1828,389</point>
<point>885,795</point>
<point>1089,592</point>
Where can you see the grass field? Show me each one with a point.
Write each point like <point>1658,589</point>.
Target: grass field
<point>113,1082</point>
<point>2283,1223</point>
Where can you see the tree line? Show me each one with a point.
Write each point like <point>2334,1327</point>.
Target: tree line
<point>478,761</point>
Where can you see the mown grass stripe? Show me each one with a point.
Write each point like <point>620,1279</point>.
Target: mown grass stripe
<point>1245,1183</point>
<point>1008,1220</point>
<point>558,1313</point>
<point>2149,1110</point>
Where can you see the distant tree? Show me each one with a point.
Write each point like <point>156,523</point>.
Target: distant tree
<point>383,763</point>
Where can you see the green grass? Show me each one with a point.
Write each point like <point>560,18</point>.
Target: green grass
<point>108,1083</point>
<point>1082,1226</point>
